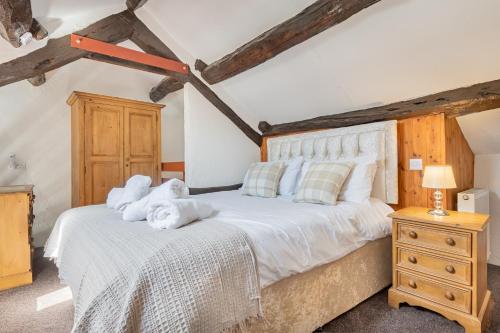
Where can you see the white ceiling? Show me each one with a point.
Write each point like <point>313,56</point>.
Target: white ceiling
<point>394,50</point>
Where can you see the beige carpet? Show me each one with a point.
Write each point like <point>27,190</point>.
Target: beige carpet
<point>38,308</point>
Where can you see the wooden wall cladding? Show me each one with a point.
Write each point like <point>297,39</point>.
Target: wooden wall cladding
<point>436,139</point>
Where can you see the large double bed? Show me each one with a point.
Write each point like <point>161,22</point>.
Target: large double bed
<point>312,262</point>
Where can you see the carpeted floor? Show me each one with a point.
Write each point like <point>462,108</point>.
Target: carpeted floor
<point>18,310</point>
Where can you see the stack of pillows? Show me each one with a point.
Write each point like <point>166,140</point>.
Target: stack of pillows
<point>322,182</point>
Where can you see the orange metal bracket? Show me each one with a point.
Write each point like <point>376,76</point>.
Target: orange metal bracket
<point>96,46</point>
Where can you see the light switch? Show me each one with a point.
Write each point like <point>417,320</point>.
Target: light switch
<point>416,164</point>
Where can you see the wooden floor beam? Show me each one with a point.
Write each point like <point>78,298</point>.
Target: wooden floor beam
<point>456,102</point>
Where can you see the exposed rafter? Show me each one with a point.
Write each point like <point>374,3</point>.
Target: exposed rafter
<point>15,20</point>
<point>150,43</point>
<point>58,52</point>
<point>316,18</point>
<point>135,4</point>
<point>166,86</point>
<point>37,80</point>
<point>456,102</point>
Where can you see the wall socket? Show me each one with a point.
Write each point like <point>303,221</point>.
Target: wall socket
<point>416,164</point>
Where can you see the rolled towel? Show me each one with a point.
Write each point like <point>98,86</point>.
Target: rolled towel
<point>114,196</point>
<point>173,189</point>
<point>175,213</point>
<point>136,188</point>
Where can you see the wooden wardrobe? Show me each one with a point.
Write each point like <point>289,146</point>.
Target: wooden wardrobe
<point>112,139</point>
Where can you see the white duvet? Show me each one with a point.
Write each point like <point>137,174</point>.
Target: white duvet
<point>287,237</point>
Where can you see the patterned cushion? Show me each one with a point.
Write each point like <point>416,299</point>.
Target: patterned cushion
<point>322,182</point>
<point>262,179</point>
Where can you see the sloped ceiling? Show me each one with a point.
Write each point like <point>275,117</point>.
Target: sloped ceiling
<point>394,50</point>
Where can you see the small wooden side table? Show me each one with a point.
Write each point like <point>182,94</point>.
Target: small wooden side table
<point>440,263</point>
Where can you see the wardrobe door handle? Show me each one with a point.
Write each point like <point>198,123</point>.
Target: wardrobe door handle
<point>450,241</point>
<point>449,295</point>
<point>412,259</point>
<point>413,234</point>
<point>412,284</point>
<point>450,269</point>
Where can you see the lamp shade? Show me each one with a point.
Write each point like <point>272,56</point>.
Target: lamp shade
<point>438,176</point>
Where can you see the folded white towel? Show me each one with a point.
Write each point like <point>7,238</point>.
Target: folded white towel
<point>175,213</point>
<point>114,196</point>
<point>135,188</point>
<point>173,189</point>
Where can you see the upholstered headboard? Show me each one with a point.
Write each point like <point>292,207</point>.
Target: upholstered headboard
<point>371,141</point>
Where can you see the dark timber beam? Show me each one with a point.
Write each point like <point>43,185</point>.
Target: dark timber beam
<point>37,80</point>
<point>150,43</point>
<point>456,102</point>
<point>319,16</point>
<point>58,52</point>
<point>166,86</point>
<point>15,20</point>
<point>135,4</point>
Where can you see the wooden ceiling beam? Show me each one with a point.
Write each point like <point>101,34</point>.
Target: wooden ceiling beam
<point>58,52</point>
<point>456,102</point>
<point>166,86</point>
<point>125,63</point>
<point>135,4</point>
<point>15,20</point>
<point>150,43</point>
<point>319,16</point>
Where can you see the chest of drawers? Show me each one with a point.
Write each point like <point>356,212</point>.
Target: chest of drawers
<point>16,250</point>
<point>439,263</point>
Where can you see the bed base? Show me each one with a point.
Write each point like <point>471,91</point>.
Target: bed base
<point>307,301</point>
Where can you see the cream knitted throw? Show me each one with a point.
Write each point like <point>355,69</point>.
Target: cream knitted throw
<point>199,278</point>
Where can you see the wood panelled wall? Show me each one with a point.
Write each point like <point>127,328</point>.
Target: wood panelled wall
<point>435,139</point>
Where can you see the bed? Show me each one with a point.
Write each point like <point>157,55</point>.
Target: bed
<point>314,262</point>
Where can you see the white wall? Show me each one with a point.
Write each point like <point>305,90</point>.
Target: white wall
<point>172,129</point>
<point>487,175</point>
<point>217,153</point>
<point>35,125</point>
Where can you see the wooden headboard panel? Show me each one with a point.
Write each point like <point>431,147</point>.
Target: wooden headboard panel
<point>435,139</point>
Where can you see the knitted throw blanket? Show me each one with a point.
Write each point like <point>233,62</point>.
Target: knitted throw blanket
<point>199,278</point>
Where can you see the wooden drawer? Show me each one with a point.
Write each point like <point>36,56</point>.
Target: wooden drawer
<point>452,297</point>
<point>435,238</point>
<point>453,270</point>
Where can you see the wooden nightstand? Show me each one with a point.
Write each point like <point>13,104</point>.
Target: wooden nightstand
<point>439,263</point>
<point>16,250</point>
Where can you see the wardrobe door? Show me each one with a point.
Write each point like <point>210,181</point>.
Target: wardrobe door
<point>142,147</point>
<point>103,150</point>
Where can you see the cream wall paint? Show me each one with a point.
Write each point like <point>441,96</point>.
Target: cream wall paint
<point>172,130</point>
<point>35,125</point>
<point>487,175</point>
<point>216,151</point>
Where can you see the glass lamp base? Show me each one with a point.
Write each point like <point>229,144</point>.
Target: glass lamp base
<point>438,212</point>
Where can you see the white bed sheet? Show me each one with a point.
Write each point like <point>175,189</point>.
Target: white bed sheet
<point>291,238</point>
<point>288,237</point>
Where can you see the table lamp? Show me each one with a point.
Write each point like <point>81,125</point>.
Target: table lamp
<point>438,177</point>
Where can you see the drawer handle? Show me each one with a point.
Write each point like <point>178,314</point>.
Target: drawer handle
<point>449,295</point>
<point>412,259</point>
<point>450,269</point>
<point>412,284</point>
<point>450,241</point>
<point>413,234</point>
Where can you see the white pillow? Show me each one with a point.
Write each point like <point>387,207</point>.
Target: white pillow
<point>290,176</point>
<point>303,171</point>
<point>358,185</point>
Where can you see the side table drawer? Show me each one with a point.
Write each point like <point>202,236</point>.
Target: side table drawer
<point>449,269</point>
<point>452,297</point>
<point>435,238</point>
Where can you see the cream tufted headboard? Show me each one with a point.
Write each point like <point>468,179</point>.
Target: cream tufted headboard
<point>371,141</point>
